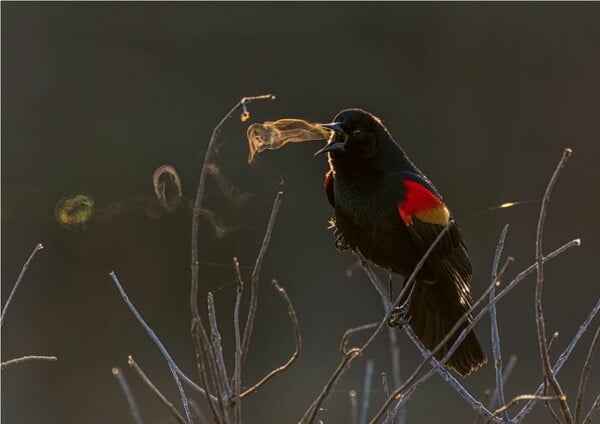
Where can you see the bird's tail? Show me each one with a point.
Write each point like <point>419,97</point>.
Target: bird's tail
<point>432,314</point>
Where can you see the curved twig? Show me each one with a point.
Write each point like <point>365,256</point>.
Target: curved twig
<point>297,338</point>
<point>539,312</point>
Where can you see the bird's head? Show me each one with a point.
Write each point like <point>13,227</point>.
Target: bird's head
<point>356,134</point>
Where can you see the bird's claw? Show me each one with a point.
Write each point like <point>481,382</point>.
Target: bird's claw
<point>340,242</point>
<point>399,316</point>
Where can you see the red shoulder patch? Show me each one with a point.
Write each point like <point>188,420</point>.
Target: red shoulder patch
<point>423,204</point>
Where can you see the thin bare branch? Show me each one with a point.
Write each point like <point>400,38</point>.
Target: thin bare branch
<point>539,312</point>
<point>353,406</point>
<point>198,411</point>
<point>366,397</point>
<point>552,341</point>
<point>157,342</point>
<point>133,407</point>
<point>134,366</point>
<point>37,248</point>
<point>560,362</point>
<point>585,374</point>
<point>237,372</point>
<point>402,393</point>
<point>255,276</point>
<point>485,399</point>
<point>27,358</point>
<point>505,376</point>
<point>521,398</point>
<point>297,339</point>
<point>351,331</point>
<point>496,350</point>
<point>215,338</point>
<point>198,330</point>
<point>192,384</point>
<point>595,408</point>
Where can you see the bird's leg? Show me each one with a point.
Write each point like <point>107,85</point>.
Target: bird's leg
<point>399,315</point>
<point>391,288</point>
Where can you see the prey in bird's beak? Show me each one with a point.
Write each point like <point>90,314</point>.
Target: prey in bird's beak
<point>338,138</point>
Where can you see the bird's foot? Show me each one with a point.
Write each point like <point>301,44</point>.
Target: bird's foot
<point>399,316</point>
<point>340,242</point>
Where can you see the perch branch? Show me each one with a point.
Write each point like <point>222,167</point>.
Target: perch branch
<point>348,357</point>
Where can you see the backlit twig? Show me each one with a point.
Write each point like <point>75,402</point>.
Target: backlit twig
<point>539,313</point>
<point>297,338</point>
<point>134,366</point>
<point>37,248</point>
<point>133,408</point>
<point>27,358</point>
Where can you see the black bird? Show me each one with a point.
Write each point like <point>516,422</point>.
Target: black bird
<point>389,211</point>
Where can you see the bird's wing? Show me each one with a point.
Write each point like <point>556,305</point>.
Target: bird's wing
<point>328,185</point>
<point>425,216</point>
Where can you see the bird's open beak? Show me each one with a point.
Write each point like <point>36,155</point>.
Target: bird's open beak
<point>337,141</point>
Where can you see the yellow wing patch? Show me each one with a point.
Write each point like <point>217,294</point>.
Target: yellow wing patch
<point>437,215</point>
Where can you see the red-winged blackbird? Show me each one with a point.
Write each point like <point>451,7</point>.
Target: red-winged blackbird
<point>390,212</point>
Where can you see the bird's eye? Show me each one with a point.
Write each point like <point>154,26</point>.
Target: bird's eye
<point>356,132</point>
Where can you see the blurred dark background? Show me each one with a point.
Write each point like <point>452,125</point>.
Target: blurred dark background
<point>483,97</point>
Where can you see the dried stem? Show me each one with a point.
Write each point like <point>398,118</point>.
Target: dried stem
<point>353,406</point>
<point>215,338</point>
<point>505,376</point>
<point>364,409</point>
<point>585,374</point>
<point>595,408</point>
<point>560,362</point>
<point>157,342</point>
<point>539,313</point>
<point>37,248</point>
<point>134,366</point>
<point>27,358</point>
<point>494,324</point>
<point>552,341</point>
<point>485,398</point>
<point>523,397</point>
<point>133,408</point>
<point>201,345</point>
<point>255,275</point>
<point>237,372</point>
<point>297,338</point>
